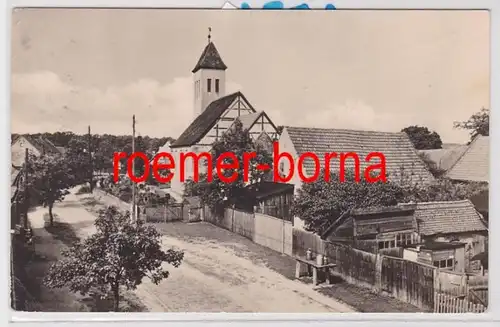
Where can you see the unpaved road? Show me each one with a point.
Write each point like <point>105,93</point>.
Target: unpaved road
<point>211,277</point>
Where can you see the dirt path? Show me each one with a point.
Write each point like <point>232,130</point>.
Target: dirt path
<point>212,278</point>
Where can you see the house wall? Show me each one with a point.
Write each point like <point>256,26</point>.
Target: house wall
<point>18,149</point>
<point>286,145</point>
<point>202,98</point>
<point>383,224</point>
<point>475,244</point>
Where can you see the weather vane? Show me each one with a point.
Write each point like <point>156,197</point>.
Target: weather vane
<point>209,36</point>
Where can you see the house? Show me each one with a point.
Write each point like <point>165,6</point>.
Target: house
<point>402,160</point>
<point>445,157</point>
<point>442,255</point>
<point>375,229</point>
<point>453,221</point>
<point>474,164</point>
<point>214,113</point>
<point>473,167</point>
<point>35,145</point>
<point>273,199</point>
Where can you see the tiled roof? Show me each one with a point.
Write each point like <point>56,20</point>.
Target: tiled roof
<point>445,158</point>
<point>210,59</point>
<point>474,164</point>
<point>396,147</point>
<point>41,144</point>
<point>205,121</point>
<point>448,217</point>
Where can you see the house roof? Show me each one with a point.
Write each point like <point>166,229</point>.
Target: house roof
<point>448,217</point>
<point>41,144</point>
<point>265,189</point>
<point>473,165</point>
<point>396,147</point>
<point>206,120</point>
<point>210,59</point>
<point>445,158</point>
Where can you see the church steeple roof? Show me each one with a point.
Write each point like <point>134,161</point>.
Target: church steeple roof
<point>210,59</point>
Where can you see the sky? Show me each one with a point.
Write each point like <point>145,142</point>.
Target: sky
<point>367,70</point>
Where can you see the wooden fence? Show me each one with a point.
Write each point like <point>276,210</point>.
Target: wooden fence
<point>411,282</point>
<point>408,281</point>
<point>162,213</point>
<point>479,295</point>
<point>262,229</point>
<point>445,303</point>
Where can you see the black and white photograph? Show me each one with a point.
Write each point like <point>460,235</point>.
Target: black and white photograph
<point>258,161</point>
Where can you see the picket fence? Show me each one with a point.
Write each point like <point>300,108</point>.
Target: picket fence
<point>444,303</point>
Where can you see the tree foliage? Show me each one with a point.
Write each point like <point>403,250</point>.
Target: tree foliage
<point>422,138</point>
<point>49,178</point>
<point>218,191</point>
<point>477,124</point>
<point>320,203</point>
<point>118,255</point>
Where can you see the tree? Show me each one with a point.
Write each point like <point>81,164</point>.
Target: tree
<point>477,124</point>
<point>431,165</point>
<point>50,178</point>
<point>78,160</point>
<point>222,191</point>
<point>279,129</point>
<point>118,255</point>
<point>422,138</point>
<point>320,203</point>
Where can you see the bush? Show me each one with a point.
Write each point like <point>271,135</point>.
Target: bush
<point>83,190</point>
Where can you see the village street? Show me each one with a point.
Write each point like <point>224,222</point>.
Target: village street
<point>211,278</point>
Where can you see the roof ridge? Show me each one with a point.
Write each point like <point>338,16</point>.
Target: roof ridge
<point>446,202</point>
<point>343,129</point>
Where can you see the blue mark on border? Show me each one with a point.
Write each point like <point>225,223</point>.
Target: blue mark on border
<point>301,6</point>
<point>280,5</point>
<point>273,5</point>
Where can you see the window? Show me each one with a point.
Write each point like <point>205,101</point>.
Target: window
<point>209,85</point>
<point>447,263</point>
<point>386,244</point>
<point>404,239</point>
<point>217,86</point>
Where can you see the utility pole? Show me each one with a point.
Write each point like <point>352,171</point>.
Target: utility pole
<point>26,191</point>
<point>91,165</point>
<point>133,171</point>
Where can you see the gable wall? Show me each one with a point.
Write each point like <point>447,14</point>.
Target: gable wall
<point>18,149</point>
<point>263,125</point>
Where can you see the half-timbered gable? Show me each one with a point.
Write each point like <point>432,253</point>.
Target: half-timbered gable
<point>257,123</point>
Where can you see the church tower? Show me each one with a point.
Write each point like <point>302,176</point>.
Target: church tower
<point>209,78</point>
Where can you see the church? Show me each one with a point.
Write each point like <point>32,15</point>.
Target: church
<point>214,113</point>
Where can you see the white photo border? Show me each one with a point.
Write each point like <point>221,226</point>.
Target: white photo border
<point>491,317</point>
